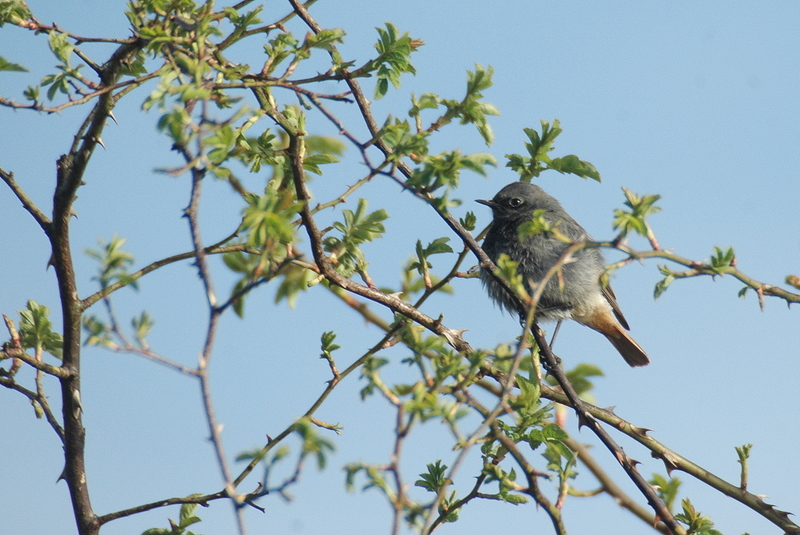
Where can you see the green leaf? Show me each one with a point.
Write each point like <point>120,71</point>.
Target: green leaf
<point>469,110</point>
<point>58,83</point>
<point>278,49</point>
<point>722,261</point>
<point>60,46</point>
<point>445,169</point>
<point>223,141</point>
<point>539,147</point>
<point>572,164</point>
<point>31,93</point>
<point>529,396</point>
<point>99,332</point>
<point>313,444</point>
<point>14,12</point>
<point>696,523</point>
<point>114,263</point>
<point>580,376</point>
<point>358,227</point>
<point>325,39</point>
<point>437,246</point>
<point>435,478</point>
<point>313,161</point>
<point>142,325</point>
<point>242,22</point>
<point>399,138</point>
<point>267,222</point>
<point>634,219</point>
<point>187,517</point>
<point>6,65</point>
<point>507,270</point>
<point>469,221</point>
<point>428,101</point>
<point>667,489</point>
<point>394,58</point>
<point>662,285</point>
<point>743,292</point>
<point>294,281</point>
<point>328,347</point>
<point>36,330</point>
<point>540,224</point>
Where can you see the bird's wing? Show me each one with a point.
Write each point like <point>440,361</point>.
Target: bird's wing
<point>608,293</point>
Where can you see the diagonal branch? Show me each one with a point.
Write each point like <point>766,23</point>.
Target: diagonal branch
<point>586,418</point>
<point>296,151</point>
<point>674,461</point>
<point>217,248</point>
<point>27,203</point>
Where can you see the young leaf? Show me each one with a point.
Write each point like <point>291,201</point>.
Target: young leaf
<point>572,164</point>
<point>60,46</point>
<point>722,261</point>
<point>358,227</point>
<point>394,58</point>
<point>36,329</point>
<point>435,478</point>
<point>6,65</point>
<point>14,12</point>
<point>667,489</point>
<point>325,39</point>
<point>114,263</point>
<point>634,219</point>
<point>328,347</point>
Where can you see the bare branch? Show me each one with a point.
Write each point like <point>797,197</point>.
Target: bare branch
<point>27,203</point>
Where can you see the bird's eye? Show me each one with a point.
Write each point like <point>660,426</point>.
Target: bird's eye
<point>515,202</point>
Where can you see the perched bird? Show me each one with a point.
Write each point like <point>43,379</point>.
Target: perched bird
<point>577,292</point>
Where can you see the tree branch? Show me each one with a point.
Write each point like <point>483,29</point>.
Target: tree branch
<point>217,248</point>
<point>202,500</point>
<point>70,171</point>
<point>674,461</point>
<point>296,152</point>
<point>27,203</point>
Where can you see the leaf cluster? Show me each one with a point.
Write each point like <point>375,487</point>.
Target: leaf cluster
<point>539,146</point>
<point>36,330</point>
<point>639,209</point>
<point>186,518</point>
<point>114,263</point>
<point>358,227</point>
<point>394,58</point>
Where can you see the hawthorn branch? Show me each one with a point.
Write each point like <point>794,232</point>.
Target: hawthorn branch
<point>69,176</point>
<point>217,248</point>
<point>27,203</point>
<point>674,461</point>
<point>609,486</point>
<point>192,215</point>
<point>702,268</point>
<point>201,500</point>
<point>39,365</point>
<point>296,152</point>
<point>272,442</point>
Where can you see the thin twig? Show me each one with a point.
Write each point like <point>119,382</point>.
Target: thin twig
<point>192,214</point>
<point>609,486</point>
<point>27,203</point>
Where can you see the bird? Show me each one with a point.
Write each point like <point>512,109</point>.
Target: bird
<point>577,292</point>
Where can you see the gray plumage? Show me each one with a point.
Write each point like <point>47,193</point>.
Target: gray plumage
<point>577,292</point>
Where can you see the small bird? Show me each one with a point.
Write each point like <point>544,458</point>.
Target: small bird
<point>577,292</point>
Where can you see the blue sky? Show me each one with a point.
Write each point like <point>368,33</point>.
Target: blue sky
<point>694,101</point>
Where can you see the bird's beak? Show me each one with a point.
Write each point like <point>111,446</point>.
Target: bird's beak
<point>490,204</point>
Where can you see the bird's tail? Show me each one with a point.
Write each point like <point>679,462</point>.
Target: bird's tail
<point>603,321</point>
<point>632,352</point>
